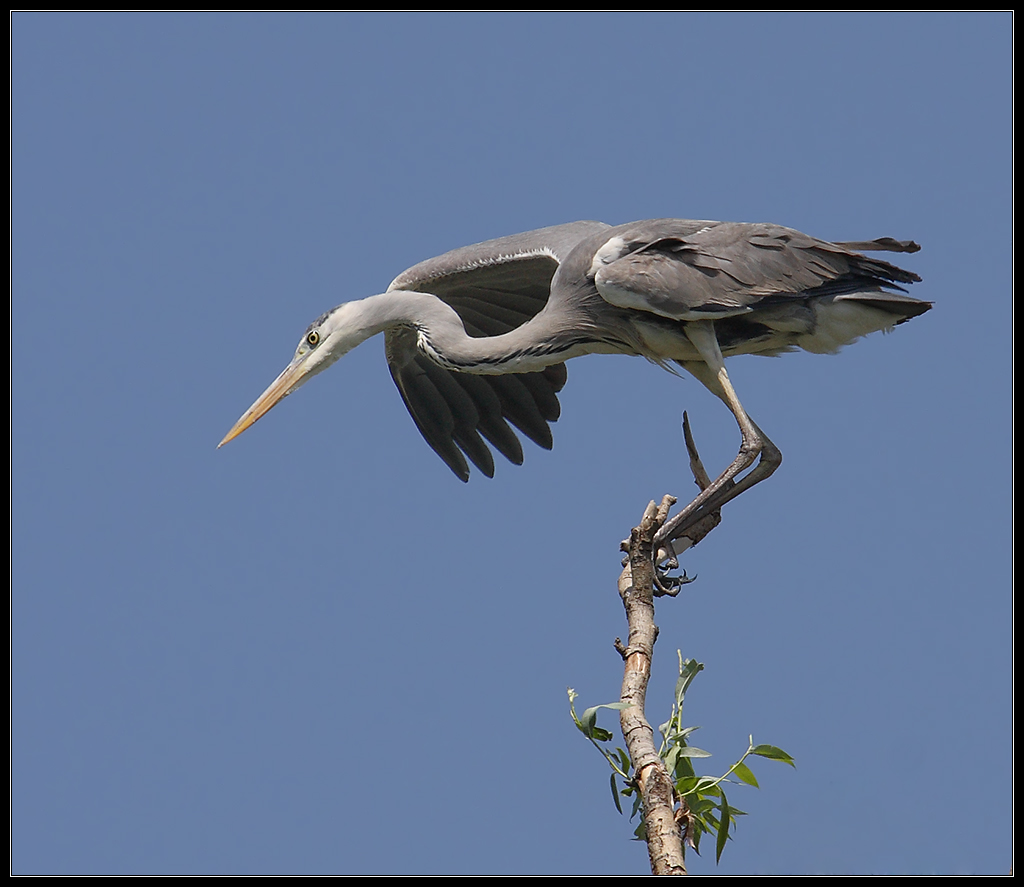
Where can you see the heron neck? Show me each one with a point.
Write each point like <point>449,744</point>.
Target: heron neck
<point>441,335</point>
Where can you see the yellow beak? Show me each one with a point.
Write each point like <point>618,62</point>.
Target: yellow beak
<point>282,386</point>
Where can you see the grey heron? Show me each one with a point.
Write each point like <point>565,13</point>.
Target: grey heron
<point>477,338</point>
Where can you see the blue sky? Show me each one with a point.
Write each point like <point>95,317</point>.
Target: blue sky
<point>315,651</point>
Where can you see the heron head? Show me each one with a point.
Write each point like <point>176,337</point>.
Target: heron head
<point>326,339</point>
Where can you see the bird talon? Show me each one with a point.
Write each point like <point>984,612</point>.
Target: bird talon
<point>667,585</point>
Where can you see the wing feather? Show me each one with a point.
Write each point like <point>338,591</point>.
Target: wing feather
<point>495,287</point>
<point>686,269</point>
<point>520,407</point>
<point>432,415</point>
<point>492,418</point>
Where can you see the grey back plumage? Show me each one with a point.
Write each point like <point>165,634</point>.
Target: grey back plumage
<point>688,270</point>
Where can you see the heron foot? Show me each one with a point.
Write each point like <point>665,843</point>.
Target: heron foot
<point>703,514</point>
<point>666,585</point>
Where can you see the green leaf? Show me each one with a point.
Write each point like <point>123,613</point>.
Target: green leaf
<point>679,736</point>
<point>682,734</point>
<point>588,721</point>
<point>708,786</point>
<point>618,706</point>
<point>686,784</point>
<point>774,753</point>
<point>637,801</point>
<point>587,725</point>
<point>698,807</point>
<point>744,773</point>
<point>615,795</point>
<point>624,760</point>
<point>691,751</point>
<point>687,672</point>
<point>684,767</point>
<point>723,830</point>
<point>670,758</point>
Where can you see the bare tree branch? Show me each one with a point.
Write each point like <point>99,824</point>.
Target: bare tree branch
<point>636,585</point>
<point>642,579</point>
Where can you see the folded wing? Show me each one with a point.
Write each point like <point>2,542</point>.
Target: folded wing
<point>495,287</point>
<point>688,270</point>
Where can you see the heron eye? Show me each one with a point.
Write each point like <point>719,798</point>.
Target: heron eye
<point>313,338</point>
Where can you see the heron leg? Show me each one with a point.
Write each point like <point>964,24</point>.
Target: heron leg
<point>755,444</point>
